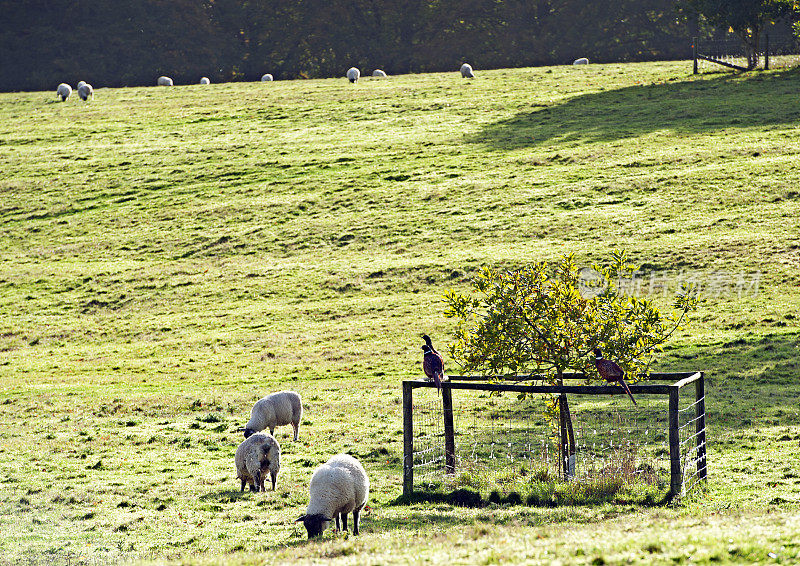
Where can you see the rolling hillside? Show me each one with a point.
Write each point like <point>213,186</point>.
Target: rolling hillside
<point>170,255</point>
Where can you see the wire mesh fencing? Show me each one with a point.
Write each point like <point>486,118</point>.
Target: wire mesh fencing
<point>692,444</point>
<point>510,445</point>
<point>777,48</point>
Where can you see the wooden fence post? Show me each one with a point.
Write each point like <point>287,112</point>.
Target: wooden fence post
<point>700,428</point>
<point>408,439</point>
<point>449,429</point>
<point>694,54</point>
<point>674,445</point>
<point>563,438</point>
<point>766,52</point>
<point>566,437</point>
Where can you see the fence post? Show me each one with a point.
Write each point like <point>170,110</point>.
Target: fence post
<point>674,445</point>
<point>408,439</point>
<point>694,54</point>
<point>449,429</point>
<point>566,437</point>
<point>766,52</point>
<point>700,414</point>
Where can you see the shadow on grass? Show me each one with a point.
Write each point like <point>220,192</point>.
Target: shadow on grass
<point>473,499</point>
<point>225,496</point>
<point>687,107</point>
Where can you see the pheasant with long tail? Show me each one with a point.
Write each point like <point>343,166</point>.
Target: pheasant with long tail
<point>611,372</point>
<point>432,362</point>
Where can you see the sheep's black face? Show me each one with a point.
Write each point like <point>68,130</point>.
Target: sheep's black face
<point>248,432</point>
<point>315,524</point>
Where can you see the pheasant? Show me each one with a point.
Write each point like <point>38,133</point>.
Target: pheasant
<point>432,362</point>
<point>611,372</point>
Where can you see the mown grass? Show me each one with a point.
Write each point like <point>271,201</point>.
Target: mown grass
<point>170,255</point>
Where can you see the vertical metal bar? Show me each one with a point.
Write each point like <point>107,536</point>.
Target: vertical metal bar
<point>674,445</point>
<point>408,439</point>
<point>700,414</point>
<point>449,429</point>
<point>694,54</point>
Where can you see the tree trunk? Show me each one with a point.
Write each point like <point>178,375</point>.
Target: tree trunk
<point>566,445</point>
<point>751,44</point>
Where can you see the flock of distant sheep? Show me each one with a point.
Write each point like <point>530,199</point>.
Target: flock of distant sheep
<point>85,90</point>
<point>338,487</point>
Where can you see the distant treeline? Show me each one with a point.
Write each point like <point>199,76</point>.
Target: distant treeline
<point>132,42</point>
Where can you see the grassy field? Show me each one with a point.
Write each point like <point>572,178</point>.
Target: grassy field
<point>170,255</point>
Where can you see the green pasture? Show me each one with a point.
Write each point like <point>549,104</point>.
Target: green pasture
<point>170,255</point>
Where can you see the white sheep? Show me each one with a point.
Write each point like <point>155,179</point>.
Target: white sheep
<point>277,409</point>
<point>266,78</point>
<point>353,74</point>
<point>63,90</point>
<point>257,455</point>
<point>205,81</point>
<point>164,81</point>
<point>85,91</point>
<point>80,84</point>
<point>466,71</point>
<point>338,487</point>
<point>581,61</point>
<point>378,73</point>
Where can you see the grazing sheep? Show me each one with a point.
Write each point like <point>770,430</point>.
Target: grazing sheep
<point>256,456</point>
<point>338,487</point>
<point>266,78</point>
<point>63,90</point>
<point>80,84</point>
<point>164,81</point>
<point>378,73</point>
<point>277,409</point>
<point>466,71</point>
<point>353,74</point>
<point>205,81</point>
<point>581,61</point>
<point>85,91</point>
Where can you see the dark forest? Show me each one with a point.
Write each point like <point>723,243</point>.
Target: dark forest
<point>131,42</point>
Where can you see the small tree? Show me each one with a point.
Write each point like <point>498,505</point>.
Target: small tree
<point>544,320</point>
<point>746,18</point>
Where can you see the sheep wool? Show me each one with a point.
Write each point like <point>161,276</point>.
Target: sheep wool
<point>80,84</point>
<point>378,73</point>
<point>205,81</point>
<point>338,487</point>
<point>353,74</point>
<point>164,81</point>
<point>255,457</point>
<point>277,409</point>
<point>266,78</point>
<point>63,91</point>
<point>466,71</point>
<point>581,61</point>
<point>85,91</point>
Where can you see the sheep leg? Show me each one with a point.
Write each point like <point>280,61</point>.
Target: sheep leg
<point>344,521</point>
<point>355,521</point>
<point>274,477</point>
<point>338,527</point>
<point>244,483</point>
<point>296,427</point>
